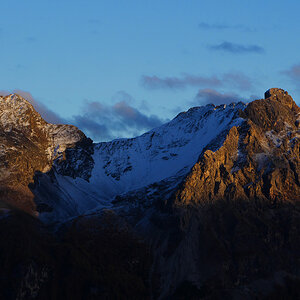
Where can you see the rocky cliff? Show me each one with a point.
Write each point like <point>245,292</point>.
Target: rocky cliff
<point>28,145</point>
<point>258,160</point>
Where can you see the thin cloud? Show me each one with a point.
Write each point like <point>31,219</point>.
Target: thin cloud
<point>46,113</point>
<point>237,48</point>
<point>237,80</point>
<point>132,117</point>
<point>222,26</point>
<point>293,72</point>
<point>122,96</point>
<point>92,128</point>
<point>106,122</point>
<point>207,96</point>
<point>155,82</point>
<point>234,79</point>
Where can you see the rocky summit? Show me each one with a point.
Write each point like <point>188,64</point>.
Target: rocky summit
<point>206,206</point>
<point>29,145</point>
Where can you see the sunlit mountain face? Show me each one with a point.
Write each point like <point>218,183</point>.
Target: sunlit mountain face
<point>205,206</point>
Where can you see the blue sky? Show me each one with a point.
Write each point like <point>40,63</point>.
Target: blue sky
<point>118,68</point>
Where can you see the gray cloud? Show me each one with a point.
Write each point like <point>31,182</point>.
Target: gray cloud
<point>92,127</point>
<point>237,80</point>
<point>122,96</point>
<point>234,79</point>
<point>222,26</point>
<point>155,82</point>
<point>104,122</point>
<point>293,73</point>
<point>206,96</point>
<point>237,48</point>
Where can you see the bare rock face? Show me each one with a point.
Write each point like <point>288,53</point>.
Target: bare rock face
<point>283,97</point>
<point>258,160</point>
<point>28,144</point>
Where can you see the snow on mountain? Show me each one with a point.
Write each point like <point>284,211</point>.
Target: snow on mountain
<point>125,165</point>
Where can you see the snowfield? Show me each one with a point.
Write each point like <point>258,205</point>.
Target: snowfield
<point>125,165</point>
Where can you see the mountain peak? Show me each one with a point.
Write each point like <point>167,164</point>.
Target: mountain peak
<point>15,99</point>
<point>277,111</point>
<point>283,97</point>
<point>275,91</point>
<point>18,113</point>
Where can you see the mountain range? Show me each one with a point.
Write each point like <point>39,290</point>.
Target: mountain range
<point>205,206</point>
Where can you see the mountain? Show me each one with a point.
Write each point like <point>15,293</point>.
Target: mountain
<point>28,145</point>
<point>214,193</point>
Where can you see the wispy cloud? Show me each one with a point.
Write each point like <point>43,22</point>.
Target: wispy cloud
<point>237,48</point>
<point>206,96</point>
<point>237,80</point>
<point>222,26</point>
<point>155,82</point>
<point>122,96</point>
<point>92,128</point>
<point>105,122</point>
<point>293,73</point>
<point>234,79</point>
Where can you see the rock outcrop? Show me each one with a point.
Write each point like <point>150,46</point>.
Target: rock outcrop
<point>258,160</point>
